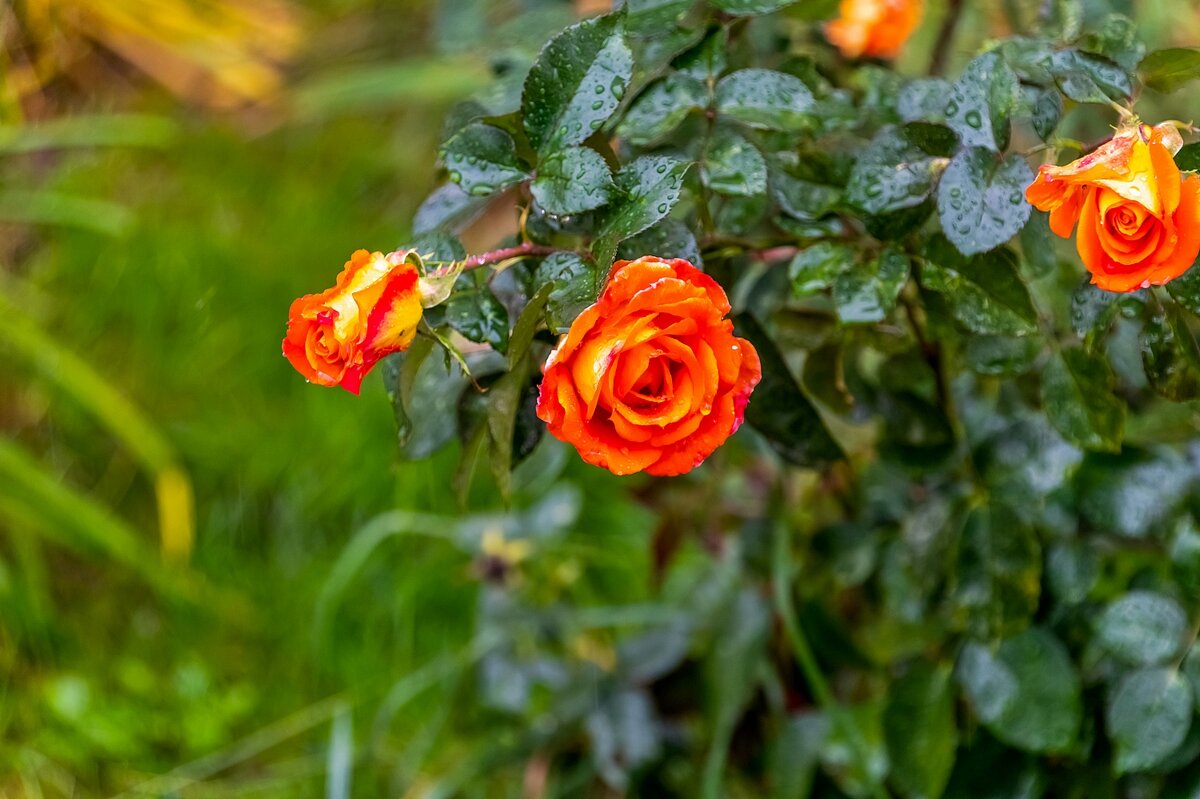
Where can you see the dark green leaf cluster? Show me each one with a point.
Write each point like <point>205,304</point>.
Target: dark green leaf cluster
<point>989,464</point>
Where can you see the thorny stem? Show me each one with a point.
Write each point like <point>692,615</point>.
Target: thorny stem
<point>941,48</point>
<point>505,253</point>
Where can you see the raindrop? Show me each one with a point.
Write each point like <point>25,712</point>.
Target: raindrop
<point>974,119</point>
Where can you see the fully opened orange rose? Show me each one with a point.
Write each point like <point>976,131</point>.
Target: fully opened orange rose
<point>651,377</point>
<point>1138,217</point>
<point>875,28</point>
<point>335,337</point>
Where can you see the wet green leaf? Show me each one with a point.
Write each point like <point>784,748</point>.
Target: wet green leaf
<point>1077,395</point>
<point>732,165</point>
<point>868,293</point>
<point>981,199</point>
<point>1026,691</point>
<point>890,174</point>
<point>483,160</point>
<point>1143,628</point>
<point>762,98</point>
<point>661,108</point>
<point>647,190</point>
<point>1171,355</point>
<point>576,286</point>
<point>576,83</point>
<point>815,267</point>
<point>474,311</point>
<point>1148,716</point>
<point>572,180</point>
<point>984,293</point>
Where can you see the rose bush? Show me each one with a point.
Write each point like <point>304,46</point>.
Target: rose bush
<point>953,550</point>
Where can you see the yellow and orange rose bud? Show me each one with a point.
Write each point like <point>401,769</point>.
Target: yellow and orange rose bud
<point>650,378</point>
<point>334,338</point>
<point>873,28</point>
<point>1138,217</point>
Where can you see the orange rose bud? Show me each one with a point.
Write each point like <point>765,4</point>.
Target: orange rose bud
<point>1138,217</point>
<point>335,337</point>
<point>874,28</point>
<point>651,377</point>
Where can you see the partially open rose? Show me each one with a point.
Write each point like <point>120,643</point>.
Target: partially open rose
<point>874,28</point>
<point>1138,217</point>
<point>335,337</point>
<point>651,377</point>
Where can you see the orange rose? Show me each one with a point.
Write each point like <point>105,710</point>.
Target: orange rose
<point>335,337</point>
<point>875,28</point>
<point>651,377</point>
<point>1139,219</point>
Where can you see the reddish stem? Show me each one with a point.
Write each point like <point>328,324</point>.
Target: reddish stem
<point>496,256</point>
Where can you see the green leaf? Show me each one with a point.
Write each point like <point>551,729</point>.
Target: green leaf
<point>732,165</point>
<point>890,174</point>
<point>576,284</point>
<point>815,267</point>
<point>424,395</point>
<point>448,207</point>
<point>483,160</point>
<point>985,293</point>
<point>527,325</point>
<point>1037,245</point>
<point>647,190</point>
<point>744,8</point>
<point>474,311</point>
<point>1133,494</point>
<point>661,108</point>
<point>854,754</point>
<point>1093,311</point>
<point>981,200</point>
<point>1143,628</point>
<point>1002,356</point>
<point>504,400</point>
<point>763,98</point>
<point>650,17</point>
<point>1077,395</point>
<point>997,584</point>
<point>1188,160</point>
<point>1026,692</point>
<point>797,197</point>
<point>667,238</point>
<point>932,138</point>
<point>1171,355</point>
<point>1148,717</point>
<point>1169,69</point>
<point>576,83</point>
<point>1072,569</point>
<point>977,106</point>
<point>706,62</point>
<point>1088,78</point>
<point>868,294</point>
<point>572,180</point>
<point>779,409</point>
<point>1045,110</point>
<point>1117,40</point>
<point>919,727</point>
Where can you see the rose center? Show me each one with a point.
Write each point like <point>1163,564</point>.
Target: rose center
<point>655,385</point>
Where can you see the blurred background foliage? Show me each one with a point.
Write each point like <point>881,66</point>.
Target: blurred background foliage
<point>216,581</point>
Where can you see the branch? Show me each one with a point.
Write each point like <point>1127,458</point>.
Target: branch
<point>503,254</point>
<point>941,48</point>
